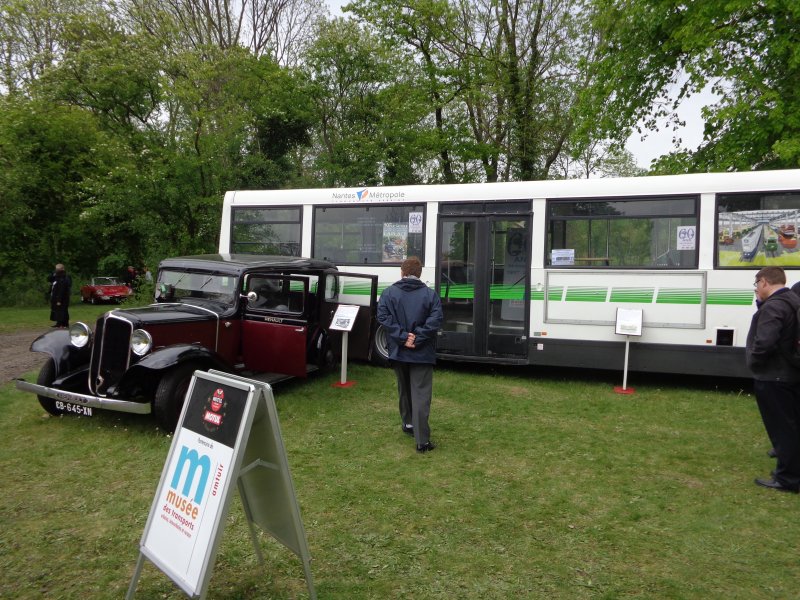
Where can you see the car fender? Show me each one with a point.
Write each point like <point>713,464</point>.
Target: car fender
<point>142,378</point>
<point>67,357</point>
<point>170,356</point>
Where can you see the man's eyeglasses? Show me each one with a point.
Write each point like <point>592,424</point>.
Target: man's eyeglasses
<point>756,282</point>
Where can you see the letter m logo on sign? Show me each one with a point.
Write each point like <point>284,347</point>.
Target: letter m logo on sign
<point>191,461</point>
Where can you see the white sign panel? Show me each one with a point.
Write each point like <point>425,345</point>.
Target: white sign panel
<point>181,532</point>
<point>629,321</point>
<point>415,222</point>
<point>687,236</point>
<point>345,317</point>
<point>563,257</point>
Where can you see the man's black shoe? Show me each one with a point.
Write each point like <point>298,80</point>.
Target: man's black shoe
<point>426,447</point>
<point>409,429</point>
<point>775,485</point>
<point>771,453</point>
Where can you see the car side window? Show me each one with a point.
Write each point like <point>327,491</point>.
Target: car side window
<point>279,294</point>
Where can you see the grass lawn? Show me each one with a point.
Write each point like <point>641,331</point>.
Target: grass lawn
<point>544,485</point>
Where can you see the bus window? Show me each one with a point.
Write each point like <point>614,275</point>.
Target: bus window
<point>634,233</point>
<point>758,229</point>
<point>266,231</point>
<point>367,235</point>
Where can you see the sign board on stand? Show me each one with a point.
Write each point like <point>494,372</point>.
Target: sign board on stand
<point>228,432</point>
<point>343,320</point>
<point>628,323</point>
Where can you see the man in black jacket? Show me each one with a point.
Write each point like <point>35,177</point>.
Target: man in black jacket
<point>776,383</point>
<point>60,288</point>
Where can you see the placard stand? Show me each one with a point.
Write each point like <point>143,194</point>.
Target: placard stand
<point>343,320</point>
<point>629,322</point>
<point>226,422</point>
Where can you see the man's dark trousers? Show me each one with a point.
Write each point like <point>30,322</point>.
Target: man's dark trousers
<point>779,404</point>
<point>415,388</point>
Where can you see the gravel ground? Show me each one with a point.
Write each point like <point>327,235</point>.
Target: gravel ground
<point>16,357</point>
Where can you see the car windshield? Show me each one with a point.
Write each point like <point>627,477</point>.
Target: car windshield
<point>176,286</point>
<point>106,281</point>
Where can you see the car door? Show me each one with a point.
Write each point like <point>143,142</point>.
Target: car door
<point>354,289</point>
<point>275,327</point>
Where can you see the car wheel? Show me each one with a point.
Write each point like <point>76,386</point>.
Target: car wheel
<point>46,377</point>
<point>170,395</point>
<point>326,357</point>
<point>380,347</point>
<point>93,300</point>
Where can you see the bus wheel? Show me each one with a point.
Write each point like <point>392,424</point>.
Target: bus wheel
<point>170,394</point>
<point>380,347</point>
<point>46,377</point>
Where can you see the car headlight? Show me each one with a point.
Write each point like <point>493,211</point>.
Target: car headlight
<point>79,334</point>
<point>141,342</point>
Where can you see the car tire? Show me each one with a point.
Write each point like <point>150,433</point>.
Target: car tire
<point>170,395</point>
<point>380,347</point>
<point>46,377</point>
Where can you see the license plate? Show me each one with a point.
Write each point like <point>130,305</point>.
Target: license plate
<point>74,409</point>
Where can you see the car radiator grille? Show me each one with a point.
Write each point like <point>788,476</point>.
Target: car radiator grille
<point>110,353</point>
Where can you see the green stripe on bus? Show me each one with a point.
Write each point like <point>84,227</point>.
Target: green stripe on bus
<point>618,295</point>
<point>678,296</point>
<point>586,294</point>
<point>643,295</point>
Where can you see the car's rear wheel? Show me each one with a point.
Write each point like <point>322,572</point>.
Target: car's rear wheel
<point>46,377</point>
<point>170,395</point>
<point>380,347</point>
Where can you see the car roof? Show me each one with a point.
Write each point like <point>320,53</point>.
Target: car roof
<point>239,263</point>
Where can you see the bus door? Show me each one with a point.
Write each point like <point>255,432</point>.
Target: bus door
<point>483,279</point>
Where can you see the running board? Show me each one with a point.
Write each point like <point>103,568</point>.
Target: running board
<point>272,378</point>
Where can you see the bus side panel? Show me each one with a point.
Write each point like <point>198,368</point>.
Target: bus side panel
<point>715,361</point>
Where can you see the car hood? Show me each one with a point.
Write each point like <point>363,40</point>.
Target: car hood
<point>166,313</point>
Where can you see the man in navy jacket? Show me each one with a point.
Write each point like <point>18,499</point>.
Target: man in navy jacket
<point>411,313</point>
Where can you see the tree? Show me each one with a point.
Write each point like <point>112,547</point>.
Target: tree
<point>748,51</point>
<point>371,114</point>
<point>501,78</point>
<point>279,29</point>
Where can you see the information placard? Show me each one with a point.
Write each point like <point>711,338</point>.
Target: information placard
<point>629,321</point>
<point>344,318</point>
<point>228,433</point>
<point>193,495</point>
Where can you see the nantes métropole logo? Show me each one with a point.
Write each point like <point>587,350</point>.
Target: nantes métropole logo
<point>214,410</point>
<point>363,194</point>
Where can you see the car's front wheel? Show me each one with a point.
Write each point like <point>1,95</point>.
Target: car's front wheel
<point>46,377</point>
<point>170,395</point>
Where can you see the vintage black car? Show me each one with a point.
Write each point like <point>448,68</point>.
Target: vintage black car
<point>263,317</point>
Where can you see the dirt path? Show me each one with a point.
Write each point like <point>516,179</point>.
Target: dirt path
<point>16,357</point>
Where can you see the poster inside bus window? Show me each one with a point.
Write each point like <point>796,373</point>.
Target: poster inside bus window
<point>757,230</point>
<point>395,242</point>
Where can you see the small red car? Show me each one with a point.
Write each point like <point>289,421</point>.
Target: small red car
<point>105,289</point>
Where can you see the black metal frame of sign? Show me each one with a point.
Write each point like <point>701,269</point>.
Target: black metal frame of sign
<point>226,422</point>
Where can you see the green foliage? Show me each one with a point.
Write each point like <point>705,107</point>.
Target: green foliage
<point>746,51</point>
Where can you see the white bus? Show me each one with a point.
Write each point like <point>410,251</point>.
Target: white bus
<point>535,272</point>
